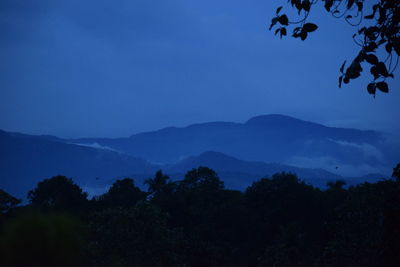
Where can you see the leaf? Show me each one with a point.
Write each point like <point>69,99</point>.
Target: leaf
<point>340,81</point>
<point>297,30</point>
<point>360,57</point>
<point>350,3</point>
<point>383,87</point>
<point>310,27</point>
<point>370,32</point>
<point>381,41</point>
<point>283,20</point>
<point>371,59</point>
<point>374,8</point>
<point>354,71</point>
<point>273,22</point>
<point>371,88</point>
<point>349,16</point>
<point>388,48</point>
<point>382,15</point>
<point>360,6</point>
<point>303,35</point>
<point>342,67</point>
<point>361,30</point>
<point>374,72</point>
<point>298,5</point>
<point>279,9</point>
<point>396,47</point>
<point>283,32</point>
<point>328,5</point>
<point>369,16</point>
<point>370,47</point>
<point>277,30</point>
<point>381,68</point>
<point>306,5</point>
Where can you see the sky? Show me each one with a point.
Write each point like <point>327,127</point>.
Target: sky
<point>115,68</point>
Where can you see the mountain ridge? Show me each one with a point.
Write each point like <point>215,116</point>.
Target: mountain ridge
<point>236,150</point>
<point>265,138</point>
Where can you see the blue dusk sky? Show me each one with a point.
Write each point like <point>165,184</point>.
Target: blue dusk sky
<point>114,68</point>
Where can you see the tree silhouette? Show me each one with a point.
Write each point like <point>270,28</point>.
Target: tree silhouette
<point>202,178</point>
<point>396,172</point>
<point>336,185</point>
<point>123,193</point>
<point>58,193</point>
<point>7,202</point>
<point>378,35</point>
<point>134,236</point>
<point>36,239</point>
<point>159,184</point>
<point>277,221</point>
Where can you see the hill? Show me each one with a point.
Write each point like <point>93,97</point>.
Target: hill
<point>268,138</point>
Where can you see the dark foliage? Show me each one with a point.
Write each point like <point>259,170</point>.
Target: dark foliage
<point>37,239</point>
<point>277,221</point>
<point>135,236</point>
<point>379,30</point>
<point>58,193</point>
<point>7,202</point>
<point>123,193</point>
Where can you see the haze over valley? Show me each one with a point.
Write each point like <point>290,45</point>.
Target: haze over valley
<point>239,152</point>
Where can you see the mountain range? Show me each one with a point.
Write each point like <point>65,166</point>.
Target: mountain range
<point>239,152</point>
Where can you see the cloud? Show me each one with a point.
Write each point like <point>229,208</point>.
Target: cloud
<point>96,146</point>
<point>330,164</point>
<point>369,159</point>
<point>368,151</point>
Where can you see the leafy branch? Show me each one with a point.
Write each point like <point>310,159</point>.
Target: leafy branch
<point>379,29</point>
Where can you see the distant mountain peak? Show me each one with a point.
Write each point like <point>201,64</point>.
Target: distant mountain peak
<point>209,156</point>
<point>274,118</point>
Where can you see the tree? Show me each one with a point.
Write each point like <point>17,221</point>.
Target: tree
<point>159,184</point>
<point>202,178</point>
<point>336,185</point>
<point>396,172</point>
<point>37,239</point>
<point>378,35</point>
<point>122,193</point>
<point>277,207</point>
<point>7,202</point>
<point>58,193</point>
<point>132,236</point>
<point>365,231</point>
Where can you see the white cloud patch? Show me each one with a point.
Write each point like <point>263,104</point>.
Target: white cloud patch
<point>368,150</point>
<point>333,165</point>
<point>337,166</point>
<point>97,146</point>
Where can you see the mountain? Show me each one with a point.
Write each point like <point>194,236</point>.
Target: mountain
<point>237,151</point>
<point>239,174</point>
<point>26,160</point>
<point>268,138</point>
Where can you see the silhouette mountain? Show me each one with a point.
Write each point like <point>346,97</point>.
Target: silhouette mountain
<point>239,174</point>
<point>25,160</point>
<point>319,153</point>
<point>269,138</point>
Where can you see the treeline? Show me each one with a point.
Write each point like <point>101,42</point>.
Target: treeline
<point>277,221</point>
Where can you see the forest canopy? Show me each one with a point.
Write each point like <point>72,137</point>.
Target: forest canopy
<point>196,221</point>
